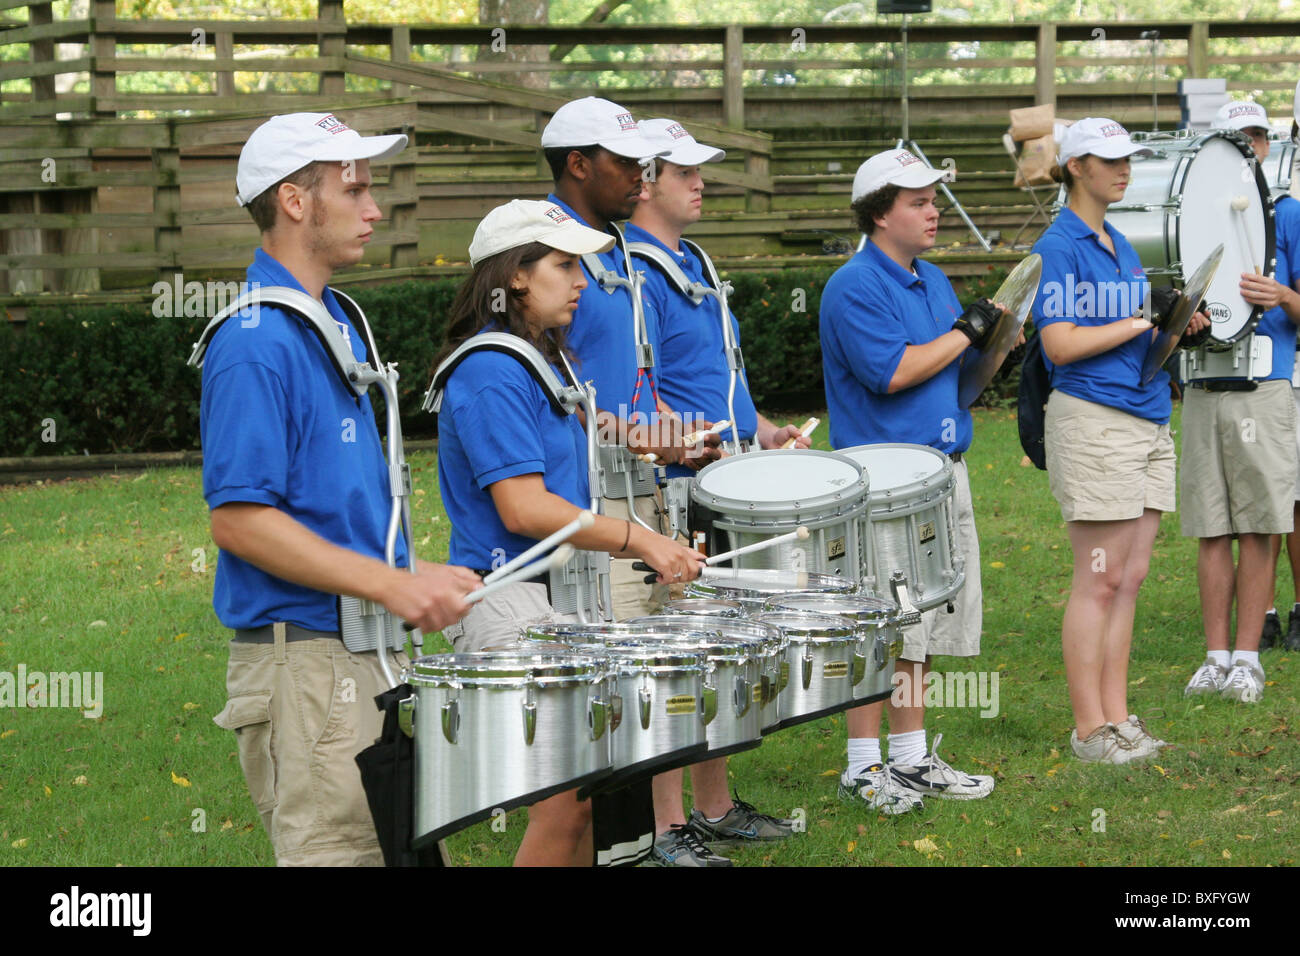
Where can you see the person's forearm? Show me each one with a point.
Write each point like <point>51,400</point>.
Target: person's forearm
<point>920,363</point>
<point>1065,342</point>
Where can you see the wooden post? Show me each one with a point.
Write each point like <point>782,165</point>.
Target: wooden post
<point>42,51</point>
<point>78,240</point>
<point>401,180</point>
<point>1198,50</point>
<point>24,242</point>
<point>331,81</point>
<point>103,46</point>
<point>167,206</point>
<point>757,164</point>
<point>225,51</point>
<point>1045,65</point>
<point>540,120</point>
<point>733,77</point>
<point>400,52</point>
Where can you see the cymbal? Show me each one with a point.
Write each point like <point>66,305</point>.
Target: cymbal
<point>1017,294</point>
<point>1166,340</point>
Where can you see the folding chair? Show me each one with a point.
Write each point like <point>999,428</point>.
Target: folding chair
<point>1029,187</point>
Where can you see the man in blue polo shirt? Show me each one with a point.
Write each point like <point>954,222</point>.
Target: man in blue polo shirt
<point>694,383</point>
<point>1239,465</point>
<point>893,335</point>
<point>298,488</point>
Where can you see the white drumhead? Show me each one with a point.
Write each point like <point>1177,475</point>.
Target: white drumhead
<point>895,467</point>
<point>1218,173</point>
<point>790,476</point>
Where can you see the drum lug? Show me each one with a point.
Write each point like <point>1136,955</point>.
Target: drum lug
<point>451,721</point>
<point>859,668</point>
<point>615,711</point>
<point>530,715</point>
<point>643,701</point>
<point>807,668</point>
<point>708,703</point>
<point>406,715</point>
<point>766,693</point>
<point>597,717</point>
<point>744,694</point>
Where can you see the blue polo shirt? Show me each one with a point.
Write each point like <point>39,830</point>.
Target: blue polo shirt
<point>601,336</point>
<point>871,310</point>
<point>281,428</point>
<point>497,423</point>
<point>1084,284</point>
<point>693,375</point>
<point>1274,323</point>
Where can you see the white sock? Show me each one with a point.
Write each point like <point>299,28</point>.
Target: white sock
<point>1272,611</point>
<point>1246,657</point>
<point>863,753</point>
<point>1222,658</point>
<point>907,749</point>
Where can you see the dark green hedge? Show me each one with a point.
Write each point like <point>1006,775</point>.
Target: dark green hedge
<point>114,379</point>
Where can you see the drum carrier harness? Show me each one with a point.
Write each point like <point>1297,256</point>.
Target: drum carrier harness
<point>364,625</point>
<point>582,585</point>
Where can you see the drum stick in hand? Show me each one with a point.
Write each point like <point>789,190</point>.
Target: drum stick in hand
<point>809,427</point>
<point>800,533</point>
<point>584,520</point>
<point>555,559</point>
<point>696,436</point>
<point>1239,205</point>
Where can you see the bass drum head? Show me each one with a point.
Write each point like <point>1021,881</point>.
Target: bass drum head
<point>1221,170</point>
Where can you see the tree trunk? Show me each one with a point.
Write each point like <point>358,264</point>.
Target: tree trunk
<point>499,15</point>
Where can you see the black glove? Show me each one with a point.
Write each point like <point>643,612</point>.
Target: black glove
<point>977,322</point>
<point>1164,299</point>
<point>1194,340</point>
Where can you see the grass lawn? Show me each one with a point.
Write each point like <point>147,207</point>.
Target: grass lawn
<point>114,575</point>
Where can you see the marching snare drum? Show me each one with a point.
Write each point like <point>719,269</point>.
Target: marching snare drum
<point>912,528</point>
<point>1178,207</point>
<point>502,730</point>
<point>763,494</point>
<point>877,623</point>
<point>821,664</point>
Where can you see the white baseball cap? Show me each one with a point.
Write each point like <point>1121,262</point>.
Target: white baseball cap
<point>681,145</point>
<point>1239,115</point>
<point>592,121</point>
<point>285,144</point>
<point>522,221</point>
<point>893,167</point>
<point>1096,136</point>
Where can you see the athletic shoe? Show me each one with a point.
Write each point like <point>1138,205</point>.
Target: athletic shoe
<point>741,825</point>
<point>1292,642</point>
<point>1141,740</point>
<point>880,790</point>
<point>1104,745</point>
<point>934,777</point>
<point>1272,634</point>
<point>1245,683</point>
<point>1208,679</point>
<point>680,845</point>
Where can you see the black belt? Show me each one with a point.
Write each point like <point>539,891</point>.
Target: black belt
<point>1225,384</point>
<point>543,579</point>
<point>292,632</point>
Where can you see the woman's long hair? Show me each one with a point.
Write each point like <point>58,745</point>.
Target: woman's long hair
<point>486,300</point>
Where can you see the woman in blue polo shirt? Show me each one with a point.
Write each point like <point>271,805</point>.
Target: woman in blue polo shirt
<point>511,468</point>
<point>1110,457</point>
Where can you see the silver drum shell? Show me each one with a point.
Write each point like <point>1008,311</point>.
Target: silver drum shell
<point>820,660</point>
<point>504,729</point>
<point>665,706</point>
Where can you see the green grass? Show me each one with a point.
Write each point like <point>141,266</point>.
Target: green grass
<point>99,575</point>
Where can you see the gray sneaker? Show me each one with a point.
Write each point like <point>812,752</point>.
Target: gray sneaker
<point>1103,745</point>
<point>1208,679</point>
<point>1141,740</point>
<point>880,790</point>
<point>741,825</point>
<point>1245,683</point>
<point>680,845</point>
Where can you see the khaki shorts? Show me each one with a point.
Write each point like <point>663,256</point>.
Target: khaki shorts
<point>1104,464</point>
<point>632,596</point>
<point>501,617</point>
<point>1295,393</point>
<point>1239,461</point>
<point>956,634</point>
<point>301,712</point>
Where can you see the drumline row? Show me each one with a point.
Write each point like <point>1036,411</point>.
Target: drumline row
<point>783,637</point>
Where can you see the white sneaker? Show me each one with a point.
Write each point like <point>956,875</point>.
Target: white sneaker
<point>1245,683</point>
<point>934,777</point>
<point>1103,745</point>
<point>1208,679</point>
<point>880,790</point>
<point>1142,742</point>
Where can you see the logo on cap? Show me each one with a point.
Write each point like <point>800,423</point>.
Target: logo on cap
<point>625,122</point>
<point>1243,109</point>
<point>676,131</point>
<point>906,159</point>
<point>331,124</point>
<point>1111,129</point>
<point>557,215</point>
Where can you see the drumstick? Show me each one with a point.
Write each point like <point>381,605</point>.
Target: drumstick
<point>1241,204</point>
<point>555,559</point>
<point>584,520</point>
<point>801,533</point>
<point>716,429</point>
<point>809,427</point>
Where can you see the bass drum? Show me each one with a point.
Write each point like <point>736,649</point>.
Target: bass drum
<point>1179,206</point>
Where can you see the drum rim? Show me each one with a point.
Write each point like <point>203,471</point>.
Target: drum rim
<point>822,576</point>
<point>471,669</point>
<point>884,615</point>
<point>821,628</point>
<point>945,475</point>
